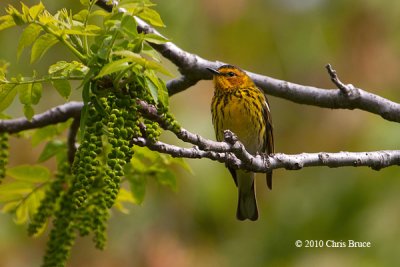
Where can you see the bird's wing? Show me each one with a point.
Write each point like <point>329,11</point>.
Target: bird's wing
<point>269,137</point>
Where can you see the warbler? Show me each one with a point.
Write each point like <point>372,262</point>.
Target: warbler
<point>240,106</point>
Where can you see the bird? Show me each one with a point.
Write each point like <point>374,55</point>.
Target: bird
<point>240,106</point>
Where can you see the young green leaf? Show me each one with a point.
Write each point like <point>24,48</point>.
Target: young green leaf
<point>151,16</point>
<point>153,89</point>
<point>44,133</point>
<point>9,197</point>
<point>155,38</point>
<point>10,207</point>
<point>21,214</point>
<point>30,173</point>
<point>63,87</point>
<point>123,196</point>
<point>137,182</point>
<point>157,85</point>
<point>29,112</point>
<point>6,21</point>
<point>19,19</point>
<point>49,132</point>
<point>7,95</point>
<point>28,36</point>
<point>52,148</point>
<point>129,26</point>
<point>30,93</point>
<point>167,178</point>
<point>41,45</point>
<point>114,66</point>
<point>17,187</point>
<point>35,10</point>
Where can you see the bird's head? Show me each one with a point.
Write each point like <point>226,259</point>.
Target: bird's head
<point>229,78</point>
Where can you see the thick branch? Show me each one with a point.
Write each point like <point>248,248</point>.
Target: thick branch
<point>52,116</point>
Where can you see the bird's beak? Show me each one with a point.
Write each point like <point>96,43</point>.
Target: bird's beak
<point>214,71</point>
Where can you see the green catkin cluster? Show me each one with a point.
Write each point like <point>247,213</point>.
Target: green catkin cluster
<point>106,147</point>
<point>85,167</point>
<point>62,235</point>
<point>74,203</point>
<point>3,154</point>
<point>170,122</point>
<point>52,195</point>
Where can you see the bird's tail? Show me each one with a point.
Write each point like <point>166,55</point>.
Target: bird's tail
<point>247,204</point>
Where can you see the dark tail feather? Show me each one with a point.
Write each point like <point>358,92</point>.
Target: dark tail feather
<point>269,180</point>
<point>247,205</point>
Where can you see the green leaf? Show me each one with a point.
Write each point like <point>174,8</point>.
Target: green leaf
<point>36,90</point>
<point>41,45</point>
<point>123,196</point>
<point>136,58</point>
<point>82,31</point>
<point>181,162</point>
<point>30,173</point>
<point>19,19</point>
<point>152,88</point>
<point>3,69</point>
<point>28,36</point>
<point>10,207</point>
<point>99,12</point>
<point>58,67</point>
<point>49,132</point>
<point>51,149</point>
<point>35,10</point>
<point>65,69</point>
<point>155,38</point>
<point>137,183</point>
<point>9,197</point>
<point>63,87</point>
<point>30,93</point>
<point>85,2</point>
<point>156,84</point>
<point>167,178</point>
<point>29,112</point>
<point>129,25</point>
<point>44,133</point>
<point>17,187</point>
<point>118,65</point>
<point>21,214</point>
<point>81,15</point>
<point>7,95</point>
<point>6,21</point>
<point>151,16</point>
<point>33,201</point>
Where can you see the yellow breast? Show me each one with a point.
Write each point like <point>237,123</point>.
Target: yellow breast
<point>241,116</point>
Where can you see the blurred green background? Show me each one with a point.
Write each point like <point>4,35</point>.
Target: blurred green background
<point>196,226</point>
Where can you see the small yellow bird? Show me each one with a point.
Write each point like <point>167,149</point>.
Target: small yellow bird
<point>240,106</point>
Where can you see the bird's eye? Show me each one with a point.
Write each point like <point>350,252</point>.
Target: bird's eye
<point>231,74</point>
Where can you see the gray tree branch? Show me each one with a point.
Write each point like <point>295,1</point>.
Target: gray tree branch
<point>52,116</point>
<point>231,152</point>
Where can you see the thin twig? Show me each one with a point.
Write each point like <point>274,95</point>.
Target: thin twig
<point>346,89</point>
